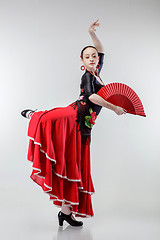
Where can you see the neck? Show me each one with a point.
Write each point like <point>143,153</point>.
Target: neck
<point>94,73</point>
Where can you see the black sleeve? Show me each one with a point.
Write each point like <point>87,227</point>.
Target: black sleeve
<point>88,83</point>
<point>101,55</point>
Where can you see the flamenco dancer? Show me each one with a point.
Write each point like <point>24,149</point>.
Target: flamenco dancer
<point>59,141</point>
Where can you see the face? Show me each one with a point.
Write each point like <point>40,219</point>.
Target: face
<point>90,58</point>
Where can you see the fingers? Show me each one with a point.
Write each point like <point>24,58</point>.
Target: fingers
<point>121,111</point>
<point>95,23</point>
<point>125,111</point>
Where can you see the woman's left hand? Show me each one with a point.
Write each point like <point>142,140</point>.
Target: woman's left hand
<point>93,25</point>
<point>119,110</point>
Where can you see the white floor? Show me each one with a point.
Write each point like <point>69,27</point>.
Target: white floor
<point>28,214</point>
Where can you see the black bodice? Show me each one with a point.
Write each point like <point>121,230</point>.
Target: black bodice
<point>89,85</point>
<point>88,111</point>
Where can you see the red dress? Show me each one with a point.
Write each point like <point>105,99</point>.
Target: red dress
<point>59,147</point>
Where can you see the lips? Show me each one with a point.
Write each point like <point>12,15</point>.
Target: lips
<point>91,63</point>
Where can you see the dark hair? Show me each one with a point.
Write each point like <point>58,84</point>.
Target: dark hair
<point>85,48</point>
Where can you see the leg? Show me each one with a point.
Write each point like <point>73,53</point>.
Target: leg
<point>65,209</point>
<point>69,218</point>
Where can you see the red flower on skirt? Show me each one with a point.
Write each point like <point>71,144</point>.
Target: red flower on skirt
<point>90,120</point>
<point>93,117</point>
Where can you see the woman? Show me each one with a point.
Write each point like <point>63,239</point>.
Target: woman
<point>59,144</point>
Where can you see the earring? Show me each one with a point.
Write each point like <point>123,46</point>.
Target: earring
<point>98,66</point>
<point>82,67</point>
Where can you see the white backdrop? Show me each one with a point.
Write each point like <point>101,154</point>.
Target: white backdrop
<point>40,44</point>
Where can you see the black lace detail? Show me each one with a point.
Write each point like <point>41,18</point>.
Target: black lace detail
<point>74,105</point>
<point>82,111</point>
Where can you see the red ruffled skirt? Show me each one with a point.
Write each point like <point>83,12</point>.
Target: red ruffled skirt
<point>61,161</point>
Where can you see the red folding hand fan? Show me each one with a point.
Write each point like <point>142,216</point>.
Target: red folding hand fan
<point>123,96</point>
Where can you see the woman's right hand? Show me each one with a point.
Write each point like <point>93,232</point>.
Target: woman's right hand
<point>119,110</point>
<point>93,25</point>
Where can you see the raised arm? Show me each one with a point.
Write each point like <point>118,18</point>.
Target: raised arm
<point>95,98</point>
<point>97,43</point>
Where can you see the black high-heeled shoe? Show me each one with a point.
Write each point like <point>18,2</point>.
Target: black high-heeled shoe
<point>24,112</point>
<point>62,217</point>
